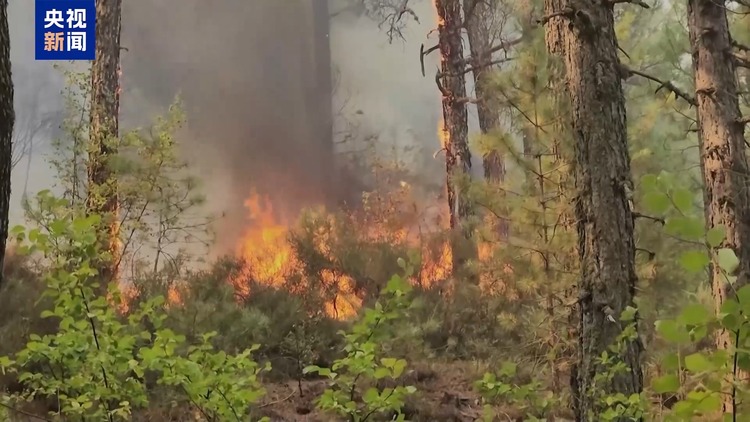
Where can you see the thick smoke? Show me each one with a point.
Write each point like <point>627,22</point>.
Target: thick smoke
<point>38,105</point>
<point>248,73</point>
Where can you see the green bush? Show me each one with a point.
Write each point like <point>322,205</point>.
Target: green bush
<point>353,389</point>
<point>96,365</point>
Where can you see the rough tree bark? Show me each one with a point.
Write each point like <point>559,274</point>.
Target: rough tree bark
<point>722,145</point>
<point>452,86</point>
<point>104,131</point>
<point>478,28</point>
<point>582,32</point>
<point>7,120</point>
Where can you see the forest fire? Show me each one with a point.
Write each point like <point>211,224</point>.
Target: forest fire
<point>264,245</point>
<point>270,257</point>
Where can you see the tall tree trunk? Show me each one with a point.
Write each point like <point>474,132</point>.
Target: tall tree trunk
<point>722,145</point>
<point>104,132</point>
<point>322,98</point>
<point>7,120</point>
<point>479,33</point>
<point>583,33</point>
<point>478,21</point>
<point>455,124</point>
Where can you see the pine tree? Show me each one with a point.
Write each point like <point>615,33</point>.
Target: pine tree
<point>452,84</point>
<point>722,147</point>
<point>478,21</point>
<point>582,33</point>
<point>104,132</point>
<point>532,269</point>
<point>7,120</point>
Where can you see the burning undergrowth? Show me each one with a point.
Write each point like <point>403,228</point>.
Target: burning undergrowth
<point>342,256</point>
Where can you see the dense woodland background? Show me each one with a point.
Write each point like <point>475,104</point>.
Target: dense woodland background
<point>363,210</point>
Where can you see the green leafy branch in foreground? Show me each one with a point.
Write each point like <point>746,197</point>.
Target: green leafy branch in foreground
<point>95,364</point>
<point>531,398</point>
<point>363,367</point>
<point>697,378</point>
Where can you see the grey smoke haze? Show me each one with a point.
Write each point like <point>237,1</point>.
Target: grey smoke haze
<point>243,69</point>
<point>37,96</point>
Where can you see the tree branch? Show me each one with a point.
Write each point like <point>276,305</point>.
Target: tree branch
<point>469,13</point>
<point>635,2</point>
<point>423,53</point>
<point>502,46</point>
<point>651,254</point>
<point>488,64</point>
<point>740,46</point>
<point>440,86</point>
<point>25,413</point>
<point>741,61</point>
<point>628,72</point>
<point>448,94</point>
<point>637,215</point>
<point>567,12</point>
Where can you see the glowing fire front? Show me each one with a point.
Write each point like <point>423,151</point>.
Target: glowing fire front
<point>265,246</point>
<point>270,258</point>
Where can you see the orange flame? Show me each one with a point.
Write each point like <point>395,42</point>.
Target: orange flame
<point>270,259</point>
<point>264,246</point>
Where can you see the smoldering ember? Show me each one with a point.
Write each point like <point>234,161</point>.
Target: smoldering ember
<point>374,210</point>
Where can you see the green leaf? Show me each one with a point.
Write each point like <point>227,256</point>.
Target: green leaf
<point>727,260</point>
<point>47,314</point>
<point>649,182</point>
<point>683,200</point>
<point>311,368</point>
<point>656,202</point>
<point>709,404</point>
<point>672,332</point>
<point>687,227</point>
<point>716,235</point>
<point>730,322</point>
<point>398,368</point>
<point>371,395</point>
<point>697,362</point>
<point>694,261</point>
<point>669,383</point>
<point>388,362</point>
<point>381,373</point>
<point>666,179</point>
<point>628,314</point>
<point>508,369</point>
<point>695,314</point>
<point>743,298</point>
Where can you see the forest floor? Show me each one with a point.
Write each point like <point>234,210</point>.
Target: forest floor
<point>445,393</point>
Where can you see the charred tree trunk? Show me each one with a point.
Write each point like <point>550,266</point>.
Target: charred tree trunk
<point>104,132</point>
<point>7,120</point>
<point>722,146</point>
<point>583,33</point>
<point>452,86</point>
<point>479,33</point>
